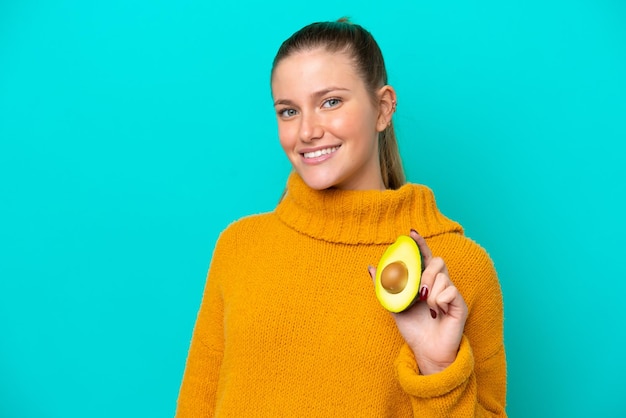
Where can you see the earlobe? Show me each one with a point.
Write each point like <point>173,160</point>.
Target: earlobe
<point>387,102</point>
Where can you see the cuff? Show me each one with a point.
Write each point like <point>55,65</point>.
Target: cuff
<point>437,384</point>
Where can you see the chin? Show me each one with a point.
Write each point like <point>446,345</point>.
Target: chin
<point>318,185</point>
<point>317,182</point>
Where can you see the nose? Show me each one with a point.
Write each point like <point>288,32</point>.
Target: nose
<point>310,128</point>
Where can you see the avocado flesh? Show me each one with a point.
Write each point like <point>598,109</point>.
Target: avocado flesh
<point>400,289</point>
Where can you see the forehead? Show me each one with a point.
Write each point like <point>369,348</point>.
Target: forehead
<point>314,66</point>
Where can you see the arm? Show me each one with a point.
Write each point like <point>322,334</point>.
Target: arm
<point>474,384</point>
<point>197,394</point>
<point>465,388</point>
<point>452,362</point>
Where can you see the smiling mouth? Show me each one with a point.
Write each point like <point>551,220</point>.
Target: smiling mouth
<point>320,152</point>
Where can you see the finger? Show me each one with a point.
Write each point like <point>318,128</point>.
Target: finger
<point>372,272</point>
<point>429,275</point>
<point>445,298</point>
<point>439,287</point>
<point>427,255</point>
<point>451,302</point>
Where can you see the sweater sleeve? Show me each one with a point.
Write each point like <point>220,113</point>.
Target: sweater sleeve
<point>475,384</point>
<point>197,396</point>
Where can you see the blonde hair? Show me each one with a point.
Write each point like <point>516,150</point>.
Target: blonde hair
<point>353,39</point>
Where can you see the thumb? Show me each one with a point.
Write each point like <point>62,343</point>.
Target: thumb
<point>372,271</point>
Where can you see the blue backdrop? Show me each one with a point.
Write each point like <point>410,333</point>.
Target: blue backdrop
<point>133,132</point>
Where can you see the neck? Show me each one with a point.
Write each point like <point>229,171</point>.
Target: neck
<point>361,216</point>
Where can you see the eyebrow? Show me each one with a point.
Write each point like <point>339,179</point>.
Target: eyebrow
<point>315,95</point>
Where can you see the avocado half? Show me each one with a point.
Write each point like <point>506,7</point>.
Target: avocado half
<point>399,274</point>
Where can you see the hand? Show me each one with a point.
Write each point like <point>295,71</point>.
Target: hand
<point>433,326</point>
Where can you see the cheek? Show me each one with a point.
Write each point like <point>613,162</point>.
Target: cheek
<point>343,126</point>
<point>354,123</point>
<point>286,137</point>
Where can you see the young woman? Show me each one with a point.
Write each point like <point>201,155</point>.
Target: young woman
<point>289,323</point>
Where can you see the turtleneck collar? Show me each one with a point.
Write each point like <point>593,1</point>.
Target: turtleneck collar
<point>362,217</point>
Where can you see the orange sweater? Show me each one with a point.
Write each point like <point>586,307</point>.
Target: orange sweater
<point>290,326</point>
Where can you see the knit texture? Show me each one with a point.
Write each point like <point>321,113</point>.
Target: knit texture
<point>289,324</point>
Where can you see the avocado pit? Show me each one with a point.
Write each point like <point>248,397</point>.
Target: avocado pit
<point>394,277</point>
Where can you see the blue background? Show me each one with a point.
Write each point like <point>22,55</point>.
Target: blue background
<point>133,132</point>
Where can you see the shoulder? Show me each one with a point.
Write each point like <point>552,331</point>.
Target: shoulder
<point>245,229</point>
<point>470,266</point>
<point>247,225</point>
<point>239,237</point>
<point>455,247</point>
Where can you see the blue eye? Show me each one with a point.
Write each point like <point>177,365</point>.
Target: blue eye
<point>287,113</point>
<point>331,102</point>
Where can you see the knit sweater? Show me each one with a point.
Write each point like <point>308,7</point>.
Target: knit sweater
<point>289,323</point>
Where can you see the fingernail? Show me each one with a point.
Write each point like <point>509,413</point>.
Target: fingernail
<point>433,314</point>
<point>424,293</point>
<point>413,230</point>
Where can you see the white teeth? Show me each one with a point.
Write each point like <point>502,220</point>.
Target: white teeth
<point>320,152</point>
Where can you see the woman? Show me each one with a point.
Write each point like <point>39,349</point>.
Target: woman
<point>289,323</point>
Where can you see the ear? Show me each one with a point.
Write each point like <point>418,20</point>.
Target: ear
<point>386,106</point>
